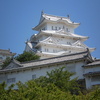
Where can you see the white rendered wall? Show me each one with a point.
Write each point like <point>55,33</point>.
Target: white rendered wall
<point>26,75</point>
<point>77,69</point>
<point>60,26</point>
<point>89,82</point>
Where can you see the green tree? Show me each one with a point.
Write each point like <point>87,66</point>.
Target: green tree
<point>47,88</point>
<point>61,79</point>
<point>27,56</point>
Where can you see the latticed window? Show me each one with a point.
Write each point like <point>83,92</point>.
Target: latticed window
<point>1,58</point>
<point>96,78</point>
<point>34,76</point>
<point>52,27</point>
<point>55,28</point>
<point>11,80</point>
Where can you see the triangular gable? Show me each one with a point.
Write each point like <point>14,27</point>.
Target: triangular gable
<point>49,40</point>
<point>13,64</point>
<point>79,44</point>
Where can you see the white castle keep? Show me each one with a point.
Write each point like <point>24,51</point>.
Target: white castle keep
<point>56,37</point>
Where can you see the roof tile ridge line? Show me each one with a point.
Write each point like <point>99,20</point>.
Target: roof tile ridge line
<point>47,39</point>
<point>97,60</point>
<point>80,35</point>
<point>41,17</point>
<point>91,65</point>
<point>53,57</point>
<point>33,28</point>
<point>34,66</point>
<point>17,62</point>
<point>78,41</point>
<point>55,16</point>
<point>89,55</point>
<point>50,37</point>
<point>92,73</point>
<point>61,17</point>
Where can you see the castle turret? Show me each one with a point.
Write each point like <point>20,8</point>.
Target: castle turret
<point>56,37</point>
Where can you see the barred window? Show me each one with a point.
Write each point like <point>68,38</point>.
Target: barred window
<point>34,76</point>
<point>1,58</point>
<point>11,80</point>
<point>52,27</point>
<point>95,78</point>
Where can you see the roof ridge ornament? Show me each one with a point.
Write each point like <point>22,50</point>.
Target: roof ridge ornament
<point>42,12</point>
<point>68,16</point>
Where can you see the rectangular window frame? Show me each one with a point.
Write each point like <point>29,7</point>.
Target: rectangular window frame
<point>34,76</point>
<point>11,80</point>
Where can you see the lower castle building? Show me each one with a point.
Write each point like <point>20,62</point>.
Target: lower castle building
<point>85,68</point>
<point>58,46</point>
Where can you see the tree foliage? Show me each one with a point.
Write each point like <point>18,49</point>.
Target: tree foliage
<point>61,79</point>
<point>50,87</point>
<point>27,56</point>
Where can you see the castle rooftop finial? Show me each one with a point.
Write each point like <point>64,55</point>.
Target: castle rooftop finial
<point>42,12</point>
<point>68,16</point>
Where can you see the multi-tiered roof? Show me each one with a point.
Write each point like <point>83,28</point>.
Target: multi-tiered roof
<point>56,37</point>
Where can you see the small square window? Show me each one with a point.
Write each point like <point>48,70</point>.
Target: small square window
<point>52,27</point>
<point>11,80</point>
<point>1,58</point>
<point>34,76</point>
<point>55,28</point>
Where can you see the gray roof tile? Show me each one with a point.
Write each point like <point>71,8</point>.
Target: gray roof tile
<point>50,61</point>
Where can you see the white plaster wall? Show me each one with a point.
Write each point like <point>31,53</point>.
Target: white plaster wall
<point>88,82</point>
<point>27,48</point>
<point>63,40</point>
<point>25,76</point>
<point>3,77</point>
<point>41,38</point>
<point>59,40</point>
<point>51,49</point>
<point>78,69</point>
<point>49,27</point>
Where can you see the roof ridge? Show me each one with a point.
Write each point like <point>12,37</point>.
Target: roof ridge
<point>54,57</point>
<point>55,16</point>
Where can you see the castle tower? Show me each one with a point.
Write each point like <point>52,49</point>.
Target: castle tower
<point>56,37</point>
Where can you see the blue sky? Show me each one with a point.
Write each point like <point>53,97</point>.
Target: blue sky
<point>17,17</point>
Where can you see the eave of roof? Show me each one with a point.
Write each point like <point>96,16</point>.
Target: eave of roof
<point>93,64</point>
<point>50,61</point>
<point>74,25</point>
<point>92,73</point>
